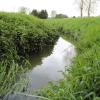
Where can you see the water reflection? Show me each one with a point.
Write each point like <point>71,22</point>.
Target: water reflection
<point>50,67</point>
<point>47,68</point>
<point>36,59</point>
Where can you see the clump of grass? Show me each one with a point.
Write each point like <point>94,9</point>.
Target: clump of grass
<point>8,78</point>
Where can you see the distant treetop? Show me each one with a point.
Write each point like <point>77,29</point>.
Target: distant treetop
<point>61,16</point>
<point>43,14</point>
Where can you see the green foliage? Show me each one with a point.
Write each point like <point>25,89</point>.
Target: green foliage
<point>9,79</point>
<point>34,12</point>
<point>82,80</point>
<point>61,16</point>
<point>20,36</point>
<point>28,34</point>
<point>43,14</point>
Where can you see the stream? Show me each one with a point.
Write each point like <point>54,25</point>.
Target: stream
<point>48,66</point>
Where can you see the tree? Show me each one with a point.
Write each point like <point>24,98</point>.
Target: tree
<point>23,10</point>
<point>34,12</point>
<point>80,4</point>
<point>53,14</point>
<point>61,16</point>
<point>43,14</point>
<point>81,7</point>
<point>90,6</point>
<point>87,6</point>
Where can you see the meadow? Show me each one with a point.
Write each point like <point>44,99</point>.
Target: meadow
<point>21,35</point>
<point>83,79</point>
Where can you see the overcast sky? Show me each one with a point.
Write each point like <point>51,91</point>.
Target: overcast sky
<point>68,7</point>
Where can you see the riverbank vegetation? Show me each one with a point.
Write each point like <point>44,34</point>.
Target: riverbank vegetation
<point>22,35</point>
<point>83,79</point>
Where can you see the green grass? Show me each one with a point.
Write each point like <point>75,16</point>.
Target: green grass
<point>83,79</point>
<point>20,36</point>
<point>10,81</point>
<point>28,33</point>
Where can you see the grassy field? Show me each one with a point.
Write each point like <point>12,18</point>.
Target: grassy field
<point>20,35</point>
<point>83,79</point>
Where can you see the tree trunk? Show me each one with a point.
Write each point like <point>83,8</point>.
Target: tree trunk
<point>81,8</point>
<point>89,8</point>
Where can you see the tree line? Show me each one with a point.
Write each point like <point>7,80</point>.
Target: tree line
<point>87,6</point>
<point>43,14</point>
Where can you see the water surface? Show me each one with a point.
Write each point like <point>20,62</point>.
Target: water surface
<point>47,66</point>
<point>50,68</point>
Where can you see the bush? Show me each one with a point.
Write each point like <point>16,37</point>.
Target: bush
<point>28,33</point>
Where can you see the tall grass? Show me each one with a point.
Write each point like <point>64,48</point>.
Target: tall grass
<point>29,34</point>
<point>10,69</point>
<point>8,78</point>
<point>20,36</point>
<point>83,79</point>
